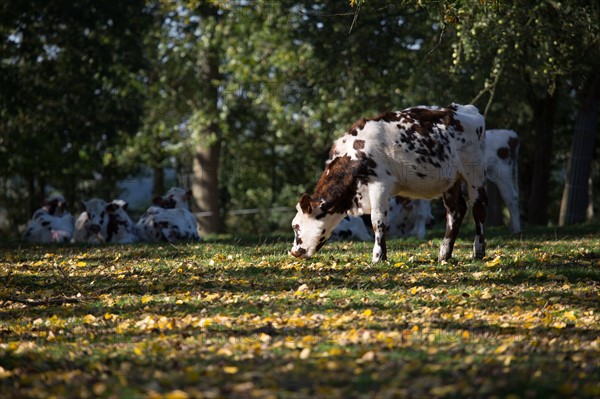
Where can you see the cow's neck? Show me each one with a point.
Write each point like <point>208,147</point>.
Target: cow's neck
<point>336,190</point>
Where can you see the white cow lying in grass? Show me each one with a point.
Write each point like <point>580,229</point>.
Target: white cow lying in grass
<point>169,219</point>
<point>412,217</point>
<point>421,152</point>
<point>407,218</point>
<point>103,222</point>
<point>51,223</point>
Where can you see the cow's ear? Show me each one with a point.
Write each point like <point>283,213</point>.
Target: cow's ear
<point>83,205</point>
<point>110,208</point>
<point>124,205</point>
<point>188,195</point>
<point>158,201</point>
<point>305,204</point>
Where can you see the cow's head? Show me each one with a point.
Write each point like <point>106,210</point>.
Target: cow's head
<point>96,210</point>
<point>55,205</point>
<point>117,211</point>
<point>176,197</point>
<point>312,227</point>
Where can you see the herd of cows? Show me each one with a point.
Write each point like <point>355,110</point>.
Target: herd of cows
<point>169,219</point>
<point>377,183</point>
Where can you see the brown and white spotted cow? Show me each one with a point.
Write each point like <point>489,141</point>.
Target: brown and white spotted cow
<point>411,217</point>
<point>421,152</point>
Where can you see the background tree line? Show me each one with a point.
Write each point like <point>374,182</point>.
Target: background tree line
<point>243,98</point>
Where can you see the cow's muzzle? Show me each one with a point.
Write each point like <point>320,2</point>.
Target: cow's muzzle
<point>298,253</point>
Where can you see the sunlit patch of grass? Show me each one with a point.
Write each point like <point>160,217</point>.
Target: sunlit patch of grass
<point>239,317</point>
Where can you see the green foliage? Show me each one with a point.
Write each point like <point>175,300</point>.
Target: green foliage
<point>68,91</point>
<point>200,320</point>
<point>89,92</point>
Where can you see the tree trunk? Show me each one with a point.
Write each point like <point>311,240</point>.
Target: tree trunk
<point>576,196</point>
<point>158,182</point>
<point>206,162</point>
<point>543,115</point>
<point>205,186</point>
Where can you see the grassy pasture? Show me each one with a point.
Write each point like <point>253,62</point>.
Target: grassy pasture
<point>241,318</point>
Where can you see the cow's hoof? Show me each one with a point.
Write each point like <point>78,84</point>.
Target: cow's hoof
<point>478,249</point>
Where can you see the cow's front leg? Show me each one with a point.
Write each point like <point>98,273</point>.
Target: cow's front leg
<point>379,211</point>
<point>456,207</point>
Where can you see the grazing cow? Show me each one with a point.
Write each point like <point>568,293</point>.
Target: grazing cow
<point>501,159</point>
<point>102,222</point>
<point>502,163</point>
<point>421,152</point>
<point>169,219</point>
<point>51,223</point>
<point>406,218</point>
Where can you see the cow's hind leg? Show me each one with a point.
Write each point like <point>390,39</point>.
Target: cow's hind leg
<point>456,208</point>
<point>510,195</point>
<point>479,215</point>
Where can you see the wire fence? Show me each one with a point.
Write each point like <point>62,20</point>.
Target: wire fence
<point>250,211</point>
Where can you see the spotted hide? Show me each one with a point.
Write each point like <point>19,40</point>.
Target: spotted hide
<point>169,225</point>
<point>421,152</point>
<point>120,228</point>
<point>176,197</point>
<point>169,219</point>
<point>51,223</point>
<point>406,218</point>
<point>103,222</point>
<point>411,219</point>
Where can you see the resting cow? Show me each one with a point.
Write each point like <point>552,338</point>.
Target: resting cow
<point>51,223</point>
<point>406,218</point>
<point>103,222</point>
<point>169,219</point>
<point>421,152</point>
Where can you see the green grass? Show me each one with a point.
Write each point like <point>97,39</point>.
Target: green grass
<point>234,317</point>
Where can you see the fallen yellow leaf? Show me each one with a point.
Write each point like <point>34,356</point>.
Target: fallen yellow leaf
<point>494,262</point>
<point>305,353</point>
<point>230,369</point>
<point>177,394</point>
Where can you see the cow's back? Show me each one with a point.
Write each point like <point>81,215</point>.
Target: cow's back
<point>420,151</point>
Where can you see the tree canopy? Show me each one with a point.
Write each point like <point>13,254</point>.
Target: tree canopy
<point>252,93</point>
